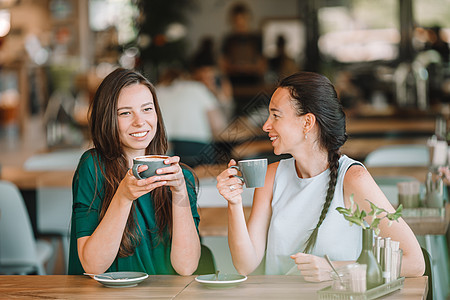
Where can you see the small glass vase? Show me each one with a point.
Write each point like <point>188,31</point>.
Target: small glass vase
<point>374,275</point>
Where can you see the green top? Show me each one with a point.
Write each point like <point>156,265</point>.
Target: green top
<point>152,255</point>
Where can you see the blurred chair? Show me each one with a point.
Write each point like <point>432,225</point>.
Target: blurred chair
<point>194,153</point>
<point>53,214</point>
<point>20,252</point>
<point>54,204</point>
<point>436,247</point>
<point>428,272</point>
<point>398,155</point>
<point>206,264</point>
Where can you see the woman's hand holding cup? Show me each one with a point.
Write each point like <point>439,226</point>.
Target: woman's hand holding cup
<point>132,188</point>
<point>150,172</point>
<point>230,186</point>
<point>172,174</point>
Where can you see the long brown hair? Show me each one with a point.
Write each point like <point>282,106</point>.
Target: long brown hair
<point>314,93</point>
<point>103,125</point>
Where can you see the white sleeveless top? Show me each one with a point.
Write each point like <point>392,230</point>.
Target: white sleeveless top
<point>296,207</point>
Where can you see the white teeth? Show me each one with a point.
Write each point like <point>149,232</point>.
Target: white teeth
<point>139,134</point>
<point>273,138</point>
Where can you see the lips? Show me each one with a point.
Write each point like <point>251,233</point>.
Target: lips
<point>273,139</point>
<point>139,134</point>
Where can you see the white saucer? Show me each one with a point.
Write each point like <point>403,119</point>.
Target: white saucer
<point>120,279</point>
<point>224,280</point>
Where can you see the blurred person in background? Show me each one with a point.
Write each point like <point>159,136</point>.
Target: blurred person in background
<point>192,115</point>
<point>204,68</point>
<point>281,65</point>
<point>242,58</point>
<point>437,43</point>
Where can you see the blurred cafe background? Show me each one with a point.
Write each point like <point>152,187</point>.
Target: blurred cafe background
<point>215,64</point>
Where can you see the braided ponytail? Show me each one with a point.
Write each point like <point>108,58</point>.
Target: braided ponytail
<point>314,93</point>
<point>333,162</point>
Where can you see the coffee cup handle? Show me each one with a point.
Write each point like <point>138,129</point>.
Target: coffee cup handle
<point>237,176</point>
<point>135,171</point>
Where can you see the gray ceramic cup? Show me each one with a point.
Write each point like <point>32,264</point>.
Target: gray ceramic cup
<point>253,172</point>
<point>154,162</point>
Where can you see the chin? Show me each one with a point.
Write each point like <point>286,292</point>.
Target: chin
<point>277,152</point>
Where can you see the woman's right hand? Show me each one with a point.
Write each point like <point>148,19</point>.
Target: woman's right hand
<point>229,186</point>
<point>132,188</point>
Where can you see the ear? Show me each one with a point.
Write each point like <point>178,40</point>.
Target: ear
<point>310,121</point>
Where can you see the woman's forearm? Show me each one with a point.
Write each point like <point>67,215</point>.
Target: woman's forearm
<point>185,252</point>
<point>245,257</point>
<point>98,251</point>
<point>412,265</point>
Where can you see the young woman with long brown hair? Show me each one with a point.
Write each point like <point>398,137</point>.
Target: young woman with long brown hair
<point>120,223</point>
<point>294,222</point>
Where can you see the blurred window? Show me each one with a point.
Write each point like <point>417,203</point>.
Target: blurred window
<point>120,14</point>
<point>359,30</point>
<point>294,32</point>
<point>431,14</point>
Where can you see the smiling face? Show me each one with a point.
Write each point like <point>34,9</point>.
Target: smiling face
<point>137,119</point>
<point>284,126</point>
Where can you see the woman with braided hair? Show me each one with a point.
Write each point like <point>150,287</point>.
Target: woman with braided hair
<point>294,222</point>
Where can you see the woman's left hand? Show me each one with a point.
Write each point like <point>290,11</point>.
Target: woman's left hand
<point>313,268</point>
<point>173,174</point>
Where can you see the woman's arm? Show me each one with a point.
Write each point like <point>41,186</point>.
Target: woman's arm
<point>98,251</point>
<point>185,252</point>
<point>360,183</point>
<point>247,242</point>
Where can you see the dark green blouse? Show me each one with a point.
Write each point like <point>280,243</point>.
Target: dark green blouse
<point>152,255</point>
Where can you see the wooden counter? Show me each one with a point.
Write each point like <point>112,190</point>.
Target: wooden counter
<point>391,125</point>
<point>30,180</point>
<point>430,225</point>
<point>214,220</point>
<point>420,173</point>
<point>178,287</point>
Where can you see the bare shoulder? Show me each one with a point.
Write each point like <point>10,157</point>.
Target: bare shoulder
<point>356,175</point>
<point>360,183</point>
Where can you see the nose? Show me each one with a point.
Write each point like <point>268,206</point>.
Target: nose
<point>138,120</point>
<point>267,125</point>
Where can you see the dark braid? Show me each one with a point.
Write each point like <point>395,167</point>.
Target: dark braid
<point>333,162</point>
<point>313,93</point>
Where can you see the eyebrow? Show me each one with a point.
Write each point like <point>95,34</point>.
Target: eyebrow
<point>275,109</point>
<point>129,107</point>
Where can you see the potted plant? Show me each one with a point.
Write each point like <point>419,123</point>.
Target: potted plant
<point>356,216</point>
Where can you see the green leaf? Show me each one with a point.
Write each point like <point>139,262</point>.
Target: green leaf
<point>356,216</point>
<point>376,231</point>
<point>375,223</point>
